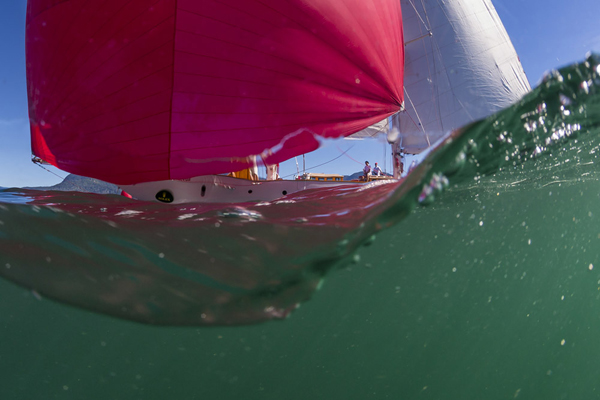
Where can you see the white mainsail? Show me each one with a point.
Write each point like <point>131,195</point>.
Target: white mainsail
<point>460,66</point>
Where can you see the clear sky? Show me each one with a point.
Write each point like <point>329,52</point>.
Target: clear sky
<point>546,34</point>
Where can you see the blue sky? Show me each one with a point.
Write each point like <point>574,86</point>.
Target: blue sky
<point>546,34</point>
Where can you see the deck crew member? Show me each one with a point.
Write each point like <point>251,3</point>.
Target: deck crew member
<point>376,170</point>
<point>366,171</point>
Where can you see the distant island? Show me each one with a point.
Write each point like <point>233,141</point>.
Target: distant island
<point>76,183</point>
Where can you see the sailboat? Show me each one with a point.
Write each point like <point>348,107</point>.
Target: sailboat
<point>180,100</point>
<point>164,98</point>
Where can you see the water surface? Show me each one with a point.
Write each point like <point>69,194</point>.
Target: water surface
<point>488,288</point>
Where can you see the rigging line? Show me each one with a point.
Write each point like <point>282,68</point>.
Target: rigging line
<point>437,51</point>
<point>53,173</point>
<point>435,94</point>
<point>347,155</point>
<point>327,162</point>
<point>384,158</point>
<point>434,99</point>
<point>426,15</point>
<point>419,15</point>
<point>44,168</point>
<point>38,163</point>
<point>418,118</point>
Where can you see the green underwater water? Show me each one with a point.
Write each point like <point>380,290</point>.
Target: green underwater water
<point>488,290</point>
<point>438,307</point>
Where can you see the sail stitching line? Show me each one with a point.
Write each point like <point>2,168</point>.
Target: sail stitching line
<point>117,126</point>
<point>300,125</point>
<point>422,127</point>
<point>109,59</point>
<point>308,30</point>
<point>339,120</point>
<point>261,52</point>
<point>59,43</point>
<point>48,8</point>
<point>105,98</point>
<point>206,131</point>
<point>375,107</point>
<point>91,118</point>
<point>91,73</point>
<point>172,92</point>
<point>445,71</point>
<point>362,93</point>
<point>418,118</point>
<point>74,103</point>
<point>100,28</point>
<point>435,96</point>
<point>321,40</point>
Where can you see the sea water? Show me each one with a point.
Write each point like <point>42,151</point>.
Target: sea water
<point>477,277</point>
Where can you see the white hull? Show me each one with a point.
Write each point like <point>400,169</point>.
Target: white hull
<point>223,189</point>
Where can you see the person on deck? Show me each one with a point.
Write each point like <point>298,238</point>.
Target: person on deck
<point>272,172</point>
<point>376,170</point>
<point>366,171</point>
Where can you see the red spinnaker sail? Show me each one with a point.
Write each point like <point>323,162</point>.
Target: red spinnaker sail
<point>146,90</point>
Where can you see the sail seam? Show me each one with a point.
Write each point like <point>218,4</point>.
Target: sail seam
<point>300,125</point>
<point>446,71</point>
<point>172,91</point>
<point>418,118</point>
<point>380,80</point>
<point>322,84</point>
<point>124,106</point>
<point>331,78</point>
<point>57,145</point>
<point>267,98</point>
<point>67,96</point>
<point>427,27</point>
<point>419,15</point>
<point>339,120</point>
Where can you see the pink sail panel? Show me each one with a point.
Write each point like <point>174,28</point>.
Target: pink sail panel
<point>148,90</point>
